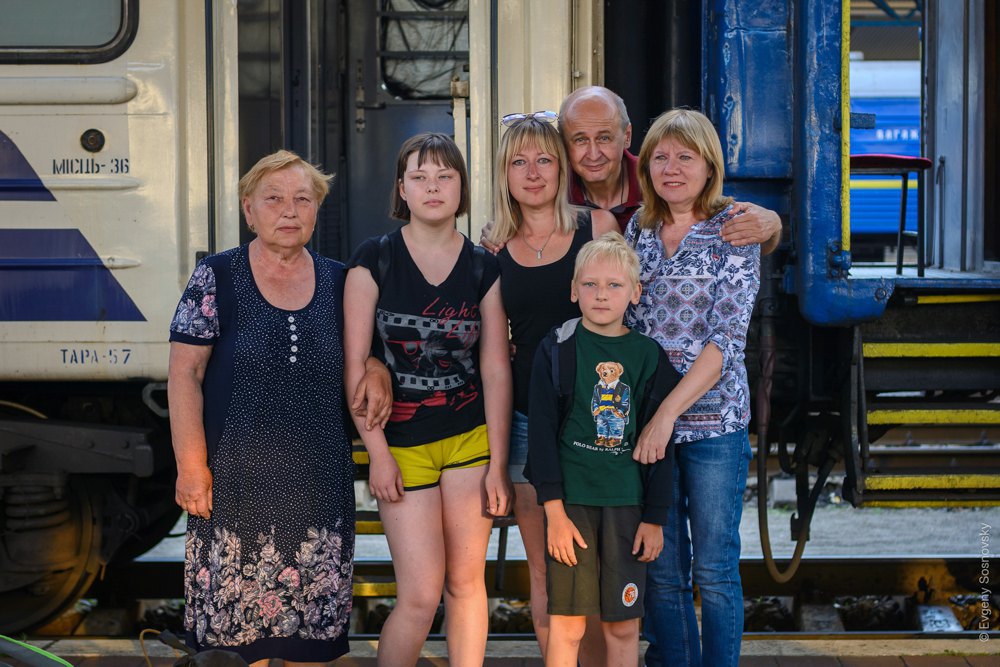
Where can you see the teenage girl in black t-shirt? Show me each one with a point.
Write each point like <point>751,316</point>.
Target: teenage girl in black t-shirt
<point>541,234</point>
<point>439,468</point>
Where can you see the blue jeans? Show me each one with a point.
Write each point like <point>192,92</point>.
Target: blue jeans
<point>609,426</point>
<point>518,453</point>
<point>709,479</point>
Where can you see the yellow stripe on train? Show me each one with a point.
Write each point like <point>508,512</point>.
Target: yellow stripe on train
<point>880,184</point>
<point>944,482</point>
<point>931,350</point>
<point>910,416</point>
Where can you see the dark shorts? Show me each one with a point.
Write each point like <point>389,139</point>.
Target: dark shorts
<point>607,579</point>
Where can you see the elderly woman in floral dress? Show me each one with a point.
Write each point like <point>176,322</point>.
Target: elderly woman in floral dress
<point>264,464</point>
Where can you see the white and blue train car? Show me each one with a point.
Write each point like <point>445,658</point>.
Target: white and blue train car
<point>117,168</point>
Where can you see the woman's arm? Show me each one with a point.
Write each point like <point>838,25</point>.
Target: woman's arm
<point>602,222</point>
<point>360,296</point>
<point>494,366</point>
<point>702,376</point>
<point>187,427</point>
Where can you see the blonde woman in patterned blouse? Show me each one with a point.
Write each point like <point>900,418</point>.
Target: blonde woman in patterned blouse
<point>698,292</point>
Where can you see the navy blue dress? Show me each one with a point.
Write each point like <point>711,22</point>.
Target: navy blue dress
<point>269,574</point>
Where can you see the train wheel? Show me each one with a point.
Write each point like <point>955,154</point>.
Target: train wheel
<point>51,548</point>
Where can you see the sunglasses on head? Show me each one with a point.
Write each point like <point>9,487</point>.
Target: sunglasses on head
<point>513,118</point>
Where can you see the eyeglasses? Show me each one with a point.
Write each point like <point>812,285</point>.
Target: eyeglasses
<point>513,118</point>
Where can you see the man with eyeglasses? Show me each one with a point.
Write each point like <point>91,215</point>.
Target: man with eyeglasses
<point>596,129</point>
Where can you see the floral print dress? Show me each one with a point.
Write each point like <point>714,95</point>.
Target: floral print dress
<point>269,574</point>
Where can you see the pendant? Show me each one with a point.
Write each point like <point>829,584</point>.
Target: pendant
<point>538,254</point>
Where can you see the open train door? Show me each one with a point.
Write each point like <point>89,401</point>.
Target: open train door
<point>402,56</point>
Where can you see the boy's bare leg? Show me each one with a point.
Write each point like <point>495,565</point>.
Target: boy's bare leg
<point>622,638</point>
<point>565,633</point>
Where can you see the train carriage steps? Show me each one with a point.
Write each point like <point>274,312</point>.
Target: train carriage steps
<point>931,389</point>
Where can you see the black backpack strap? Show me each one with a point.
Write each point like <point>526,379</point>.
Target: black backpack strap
<point>384,258</point>
<point>478,267</point>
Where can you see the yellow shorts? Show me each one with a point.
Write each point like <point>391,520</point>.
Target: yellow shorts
<point>422,465</point>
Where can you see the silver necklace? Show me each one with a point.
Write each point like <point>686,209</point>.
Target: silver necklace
<point>538,251</point>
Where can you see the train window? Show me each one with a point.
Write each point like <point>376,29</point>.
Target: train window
<point>66,31</point>
<point>423,46</point>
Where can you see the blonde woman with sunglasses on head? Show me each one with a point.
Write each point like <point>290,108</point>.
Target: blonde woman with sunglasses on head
<point>541,234</point>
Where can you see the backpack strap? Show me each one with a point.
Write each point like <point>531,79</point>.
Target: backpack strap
<point>478,267</point>
<point>384,258</point>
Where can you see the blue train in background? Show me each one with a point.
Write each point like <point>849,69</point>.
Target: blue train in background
<point>890,91</point>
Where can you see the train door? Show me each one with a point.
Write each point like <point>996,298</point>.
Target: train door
<point>401,57</point>
<point>961,78</point>
<point>106,193</point>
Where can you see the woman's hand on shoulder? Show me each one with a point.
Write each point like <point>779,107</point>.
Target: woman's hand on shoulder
<point>602,222</point>
<point>499,491</point>
<point>194,491</point>
<point>484,238</point>
<point>385,480</point>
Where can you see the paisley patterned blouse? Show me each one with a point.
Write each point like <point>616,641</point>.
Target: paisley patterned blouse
<point>703,294</point>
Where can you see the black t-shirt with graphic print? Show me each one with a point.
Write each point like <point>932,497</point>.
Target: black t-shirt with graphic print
<point>428,337</point>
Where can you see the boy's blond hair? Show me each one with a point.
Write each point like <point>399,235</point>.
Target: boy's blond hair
<point>610,246</point>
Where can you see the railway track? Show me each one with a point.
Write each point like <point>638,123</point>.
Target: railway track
<point>904,597</point>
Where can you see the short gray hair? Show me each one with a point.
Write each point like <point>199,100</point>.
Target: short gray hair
<point>599,92</point>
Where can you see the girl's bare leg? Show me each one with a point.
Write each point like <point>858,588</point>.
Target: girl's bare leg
<point>466,535</point>
<point>416,543</point>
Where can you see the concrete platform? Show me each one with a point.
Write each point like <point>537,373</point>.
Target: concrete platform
<point>756,653</point>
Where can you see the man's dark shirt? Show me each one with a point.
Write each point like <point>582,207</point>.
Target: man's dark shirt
<point>622,212</point>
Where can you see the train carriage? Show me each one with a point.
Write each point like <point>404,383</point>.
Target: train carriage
<point>124,125</point>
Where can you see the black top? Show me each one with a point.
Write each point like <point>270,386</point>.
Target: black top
<point>428,336</point>
<point>536,299</point>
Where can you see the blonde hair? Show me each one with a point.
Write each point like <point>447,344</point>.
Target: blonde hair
<point>277,161</point>
<point>695,131</point>
<point>541,135</point>
<point>429,147</point>
<point>612,247</point>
